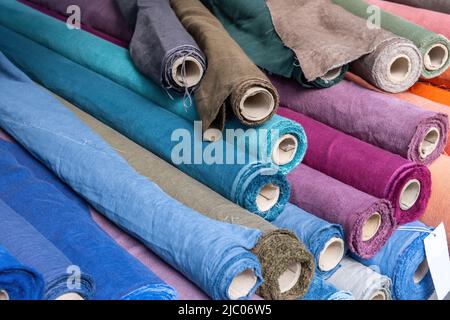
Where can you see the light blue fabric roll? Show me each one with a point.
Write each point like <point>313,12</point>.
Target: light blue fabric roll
<point>318,235</point>
<point>210,253</point>
<point>151,126</point>
<point>403,260</point>
<point>320,289</point>
<point>18,282</point>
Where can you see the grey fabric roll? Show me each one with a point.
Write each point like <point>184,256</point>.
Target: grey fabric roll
<point>361,281</point>
<point>434,5</point>
<point>161,48</point>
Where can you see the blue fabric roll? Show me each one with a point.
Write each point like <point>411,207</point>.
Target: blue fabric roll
<point>37,195</point>
<point>322,290</point>
<point>151,126</point>
<point>32,249</point>
<point>18,282</point>
<point>315,233</point>
<point>400,258</point>
<point>210,253</point>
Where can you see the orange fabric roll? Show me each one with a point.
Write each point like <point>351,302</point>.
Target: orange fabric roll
<point>443,80</point>
<point>431,92</point>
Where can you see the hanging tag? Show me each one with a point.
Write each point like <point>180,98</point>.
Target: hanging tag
<point>438,259</point>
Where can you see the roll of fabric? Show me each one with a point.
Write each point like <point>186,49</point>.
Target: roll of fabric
<point>391,124</point>
<point>257,187</point>
<point>161,48</point>
<point>237,83</point>
<point>439,205</point>
<point>361,281</point>
<point>384,175</point>
<point>433,47</point>
<point>62,278</point>
<point>18,282</point>
<point>403,260</point>
<point>442,81</point>
<point>276,245</point>
<point>367,221</point>
<point>212,254</point>
<point>432,93</point>
<point>25,183</point>
<point>324,240</point>
<point>435,5</point>
<point>259,39</point>
<point>323,290</point>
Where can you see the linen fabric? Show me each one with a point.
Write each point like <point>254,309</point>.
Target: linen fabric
<point>321,289</point>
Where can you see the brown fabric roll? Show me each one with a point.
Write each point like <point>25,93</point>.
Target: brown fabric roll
<point>278,250</point>
<point>231,75</point>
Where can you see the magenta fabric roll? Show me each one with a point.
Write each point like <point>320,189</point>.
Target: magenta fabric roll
<point>363,166</point>
<point>336,202</point>
<point>379,119</point>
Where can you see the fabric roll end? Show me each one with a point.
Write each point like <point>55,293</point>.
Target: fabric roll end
<point>70,296</point>
<point>331,254</point>
<point>242,284</point>
<point>4,295</point>
<point>436,57</point>
<point>187,72</point>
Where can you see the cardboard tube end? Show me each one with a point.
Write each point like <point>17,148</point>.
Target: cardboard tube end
<point>284,150</point>
<point>331,255</point>
<point>4,295</point>
<point>410,194</point>
<point>267,197</point>
<point>371,227</point>
<point>436,57</point>
<point>421,271</point>
<point>332,74</point>
<point>290,277</point>
<point>400,68</point>
<point>242,284</point>
<point>429,143</point>
<point>379,295</point>
<point>212,135</point>
<point>189,75</point>
<point>70,296</point>
<point>256,104</point>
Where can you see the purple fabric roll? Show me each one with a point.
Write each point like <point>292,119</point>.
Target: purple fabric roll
<point>336,202</point>
<point>379,119</point>
<point>384,175</point>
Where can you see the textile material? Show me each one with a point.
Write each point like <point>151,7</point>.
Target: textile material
<point>424,40</point>
<point>361,281</point>
<point>378,119</point>
<point>276,244</point>
<point>18,282</point>
<point>208,252</point>
<point>367,168</point>
<point>311,230</point>
<point>435,5</point>
<point>432,93</point>
<point>32,249</point>
<point>28,184</point>
<point>339,203</point>
<point>151,126</point>
<point>250,24</point>
<point>159,40</point>
<point>400,259</point>
<point>321,289</point>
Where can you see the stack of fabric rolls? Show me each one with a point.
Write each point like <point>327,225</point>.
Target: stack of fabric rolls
<point>222,149</point>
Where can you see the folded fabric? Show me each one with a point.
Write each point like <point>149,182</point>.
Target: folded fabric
<point>403,260</point>
<point>62,278</point>
<point>391,124</point>
<point>435,5</point>
<point>259,39</point>
<point>212,254</point>
<point>161,48</point>
<point>367,168</point>
<point>26,183</point>
<point>18,282</point>
<point>432,93</point>
<point>278,251</point>
<point>367,221</point>
<point>433,47</point>
<point>323,290</point>
<point>255,186</point>
<point>361,281</point>
<point>323,239</point>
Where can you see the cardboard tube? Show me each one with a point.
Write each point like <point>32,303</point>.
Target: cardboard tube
<point>268,197</point>
<point>70,296</point>
<point>429,142</point>
<point>290,277</point>
<point>193,72</point>
<point>242,284</point>
<point>380,295</point>
<point>400,68</point>
<point>332,74</point>
<point>331,255</point>
<point>436,57</point>
<point>284,149</point>
<point>212,135</point>
<point>371,227</point>
<point>421,271</point>
<point>256,104</point>
<point>4,295</point>
<point>409,194</point>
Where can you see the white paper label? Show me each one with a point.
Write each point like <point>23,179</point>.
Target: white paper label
<point>438,259</point>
